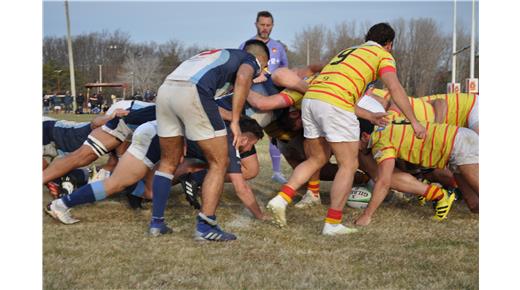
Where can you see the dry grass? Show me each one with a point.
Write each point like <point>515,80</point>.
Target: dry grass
<point>403,248</point>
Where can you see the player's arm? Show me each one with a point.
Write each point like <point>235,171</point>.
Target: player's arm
<point>401,100</point>
<point>250,166</point>
<point>378,119</point>
<point>383,180</point>
<point>102,120</point>
<point>440,107</point>
<point>268,103</point>
<point>243,81</point>
<point>245,194</point>
<point>284,77</point>
<point>225,114</point>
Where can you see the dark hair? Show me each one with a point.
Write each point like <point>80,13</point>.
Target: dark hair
<point>365,126</point>
<point>381,33</point>
<point>250,45</point>
<point>248,124</point>
<point>264,14</point>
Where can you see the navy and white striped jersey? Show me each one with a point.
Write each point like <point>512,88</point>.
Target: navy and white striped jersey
<point>67,135</point>
<point>214,71</point>
<point>263,118</point>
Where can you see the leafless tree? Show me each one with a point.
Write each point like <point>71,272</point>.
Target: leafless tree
<point>142,70</point>
<point>419,49</point>
<point>311,38</point>
<point>344,35</point>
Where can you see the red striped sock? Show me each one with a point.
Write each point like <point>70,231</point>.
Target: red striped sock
<point>333,216</point>
<point>314,187</point>
<point>287,193</point>
<point>433,192</point>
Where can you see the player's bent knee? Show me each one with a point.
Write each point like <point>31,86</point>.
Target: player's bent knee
<point>250,173</point>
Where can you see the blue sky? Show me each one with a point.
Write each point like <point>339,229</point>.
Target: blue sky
<point>226,24</point>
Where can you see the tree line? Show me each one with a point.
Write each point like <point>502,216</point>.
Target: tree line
<point>422,52</point>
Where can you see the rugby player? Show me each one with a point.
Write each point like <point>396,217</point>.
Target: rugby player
<point>103,139</point>
<point>444,145</point>
<point>331,125</point>
<point>186,106</point>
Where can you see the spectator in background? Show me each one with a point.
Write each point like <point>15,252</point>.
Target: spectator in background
<point>100,101</point>
<point>264,25</point>
<point>56,103</point>
<point>46,104</point>
<point>113,99</point>
<point>92,100</point>
<point>147,95</point>
<point>67,101</point>
<point>79,103</point>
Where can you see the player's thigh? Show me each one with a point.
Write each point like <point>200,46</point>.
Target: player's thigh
<point>128,171</point>
<point>215,150</point>
<point>101,137</point>
<point>167,101</point>
<point>346,153</point>
<point>317,149</point>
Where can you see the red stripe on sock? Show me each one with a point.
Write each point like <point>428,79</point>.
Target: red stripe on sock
<point>288,190</point>
<point>334,214</point>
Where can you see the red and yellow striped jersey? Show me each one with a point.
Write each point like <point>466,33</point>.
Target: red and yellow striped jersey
<point>385,94</point>
<point>459,105</point>
<point>344,79</point>
<point>294,98</point>
<point>399,141</point>
<point>422,110</point>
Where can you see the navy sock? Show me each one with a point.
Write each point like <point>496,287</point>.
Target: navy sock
<point>86,194</point>
<point>199,176</point>
<point>162,183</point>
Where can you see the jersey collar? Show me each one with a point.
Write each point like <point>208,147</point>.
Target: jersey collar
<point>370,42</point>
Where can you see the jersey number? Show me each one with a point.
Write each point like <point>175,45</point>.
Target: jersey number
<point>343,55</point>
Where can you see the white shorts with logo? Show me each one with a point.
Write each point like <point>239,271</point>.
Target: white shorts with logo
<point>122,132</point>
<point>141,141</point>
<point>465,149</point>
<point>180,111</point>
<point>321,119</point>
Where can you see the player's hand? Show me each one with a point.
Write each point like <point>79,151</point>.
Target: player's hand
<point>420,131</point>
<point>120,113</point>
<point>379,119</point>
<point>235,128</point>
<point>260,79</point>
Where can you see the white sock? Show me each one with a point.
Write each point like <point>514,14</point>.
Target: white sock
<point>279,199</point>
<point>60,204</point>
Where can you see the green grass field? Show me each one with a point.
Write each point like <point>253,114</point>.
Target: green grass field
<point>402,248</point>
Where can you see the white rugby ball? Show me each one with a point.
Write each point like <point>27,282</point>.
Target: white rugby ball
<point>359,197</point>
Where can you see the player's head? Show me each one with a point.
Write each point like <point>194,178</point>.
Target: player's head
<point>365,129</point>
<point>381,33</point>
<point>291,120</point>
<point>251,133</point>
<point>264,25</point>
<point>259,49</point>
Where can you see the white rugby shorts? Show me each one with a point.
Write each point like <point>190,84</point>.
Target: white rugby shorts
<point>180,111</point>
<point>465,149</point>
<point>321,119</point>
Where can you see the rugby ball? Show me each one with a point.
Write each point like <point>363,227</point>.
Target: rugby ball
<point>359,197</point>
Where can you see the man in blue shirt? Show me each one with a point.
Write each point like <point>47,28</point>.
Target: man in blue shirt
<point>264,25</point>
